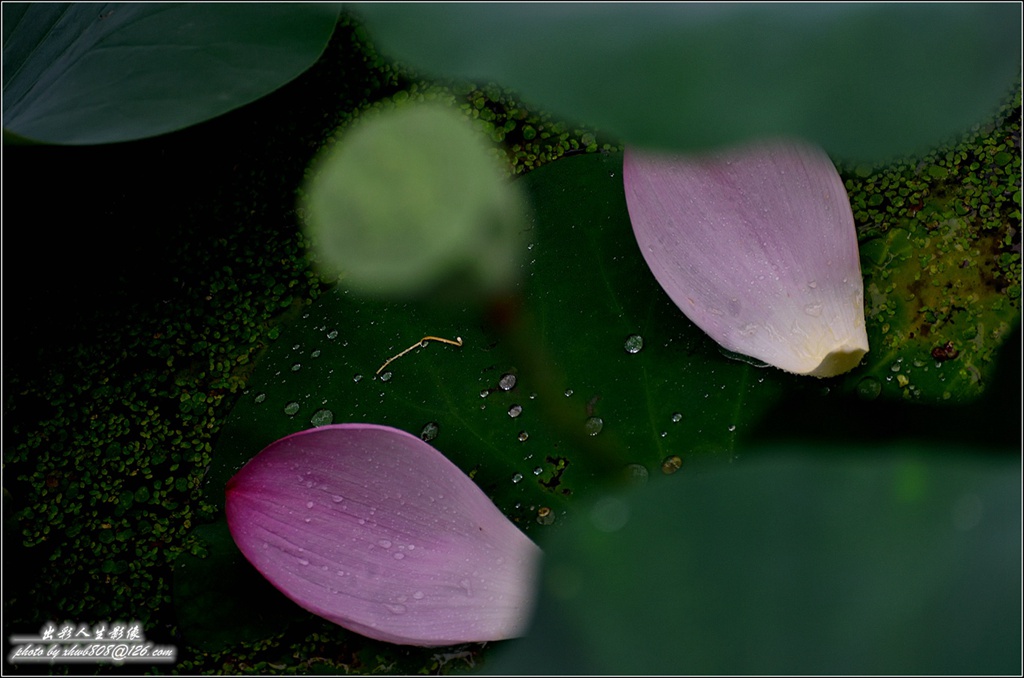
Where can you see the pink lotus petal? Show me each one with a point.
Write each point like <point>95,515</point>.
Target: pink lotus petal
<point>758,248</point>
<point>375,530</point>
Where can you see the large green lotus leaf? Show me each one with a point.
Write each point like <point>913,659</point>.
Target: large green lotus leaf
<point>865,81</point>
<point>589,371</point>
<point>98,73</point>
<point>869,562</point>
<point>589,377</point>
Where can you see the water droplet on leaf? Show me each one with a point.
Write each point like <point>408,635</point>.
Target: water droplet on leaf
<point>507,382</point>
<point>291,408</point>
<point>636,474</point>
<point>634,343</point>
<point>429,431</point>
<point>869,388</point>
<point>322,417</point>
<point>671,464</point>
<point>515,411</point>
<point>593,426</point>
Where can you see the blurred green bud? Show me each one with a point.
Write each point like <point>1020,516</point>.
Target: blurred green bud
<point>412,202</point>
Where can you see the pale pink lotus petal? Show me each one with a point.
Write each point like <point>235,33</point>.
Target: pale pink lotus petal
<point>375,530</point>
<point>758,248</point>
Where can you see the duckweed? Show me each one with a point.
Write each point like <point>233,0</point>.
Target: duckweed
<point>940,250</point>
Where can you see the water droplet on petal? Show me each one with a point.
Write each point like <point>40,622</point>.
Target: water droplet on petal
<point>418,595</point>
<point>429,431</point>
<point>309,504</point>
<point>671,464</point>
<point>593,425</point>
<point>303,561</point>
<point>291,408</point>
<point>337,498</point>
<point>395,608</point>
<point>813,310</point>
<point>386,543</point>
<point>322,417</point>
<point>507,382</point>
<point>634,343</point>
<point>515,411</point>
<point>399,555</point>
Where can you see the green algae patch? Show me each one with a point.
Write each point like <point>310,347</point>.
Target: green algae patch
<point>940,255</point>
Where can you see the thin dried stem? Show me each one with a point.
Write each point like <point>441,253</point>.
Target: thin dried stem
<point>422,343</point>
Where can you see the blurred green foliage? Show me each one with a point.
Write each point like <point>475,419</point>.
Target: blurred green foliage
<point>90,73</point>
<point>868,561</point>
<point>866,81</point>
